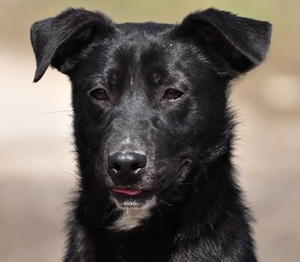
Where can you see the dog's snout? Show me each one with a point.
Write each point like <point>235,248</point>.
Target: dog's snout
<point>126,164</point>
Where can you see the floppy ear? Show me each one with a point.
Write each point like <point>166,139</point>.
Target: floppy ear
<point>233,44</point>
<point>56,40</point>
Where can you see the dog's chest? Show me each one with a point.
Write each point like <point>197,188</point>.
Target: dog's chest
<point>130,218</point>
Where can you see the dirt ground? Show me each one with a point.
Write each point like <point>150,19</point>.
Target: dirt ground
<point>37,168</point>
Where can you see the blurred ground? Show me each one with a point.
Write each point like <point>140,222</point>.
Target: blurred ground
<point>37,171</point>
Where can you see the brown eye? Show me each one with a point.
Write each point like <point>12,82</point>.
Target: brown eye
<point>172,94</point>
<point>99,94</point>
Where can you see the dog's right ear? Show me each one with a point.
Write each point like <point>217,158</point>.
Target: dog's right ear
<point>56,40</point>
<point>234,44</point>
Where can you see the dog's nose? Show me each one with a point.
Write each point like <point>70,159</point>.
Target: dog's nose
<point>126,164</point>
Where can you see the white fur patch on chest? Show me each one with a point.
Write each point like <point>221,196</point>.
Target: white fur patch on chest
<point>131,218</point>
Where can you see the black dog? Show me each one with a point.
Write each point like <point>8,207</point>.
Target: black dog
<point>153,133</point>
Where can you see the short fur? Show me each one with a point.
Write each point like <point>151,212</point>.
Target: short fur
<point>153,133</point>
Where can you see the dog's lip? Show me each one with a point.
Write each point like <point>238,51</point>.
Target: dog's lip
<point>131,198</point>
<point>127,191</point>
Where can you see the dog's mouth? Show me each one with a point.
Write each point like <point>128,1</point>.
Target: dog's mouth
<point>135,198</point>
<point>129,192</point>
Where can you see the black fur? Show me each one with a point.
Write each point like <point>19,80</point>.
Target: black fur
<point>151,119</point>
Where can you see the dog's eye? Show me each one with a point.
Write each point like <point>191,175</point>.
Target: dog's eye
<point>99,94</point>
<point>172,94</point>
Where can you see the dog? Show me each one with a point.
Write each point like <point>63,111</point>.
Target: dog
<point>154,133</point>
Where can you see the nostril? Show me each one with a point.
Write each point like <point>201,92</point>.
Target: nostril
<point>135,167</point>
<point>116,168</point>
<point>126,162</point>
<point>140,162</point>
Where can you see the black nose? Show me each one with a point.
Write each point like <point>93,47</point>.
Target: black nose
<point>126,165</point>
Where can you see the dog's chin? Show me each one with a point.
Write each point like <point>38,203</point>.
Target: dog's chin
<point>134,206</point>
<point>140,200</point>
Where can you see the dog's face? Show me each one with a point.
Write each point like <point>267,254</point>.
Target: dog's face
<point>143,111</point>
<point>149,99</point>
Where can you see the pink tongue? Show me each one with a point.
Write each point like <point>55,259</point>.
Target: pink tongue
<point>130,192</point>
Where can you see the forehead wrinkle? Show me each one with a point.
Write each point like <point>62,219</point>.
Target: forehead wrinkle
<point>130,57</point>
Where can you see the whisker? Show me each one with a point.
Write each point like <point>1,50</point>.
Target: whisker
<point>159,211</point>
<point>164,202</point>
<point>56,112</point>
<point>112,211</point>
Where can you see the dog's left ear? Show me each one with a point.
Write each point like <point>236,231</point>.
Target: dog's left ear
<point>61,40</point>
<point>233,44</point>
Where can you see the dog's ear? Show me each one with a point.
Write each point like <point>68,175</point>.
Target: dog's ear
<point>233,44</point>
<point>55,40</point>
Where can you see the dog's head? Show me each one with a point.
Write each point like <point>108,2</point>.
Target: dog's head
<point>149,99</point>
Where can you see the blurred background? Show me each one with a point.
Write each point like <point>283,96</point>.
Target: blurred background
<point>37,169</point>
